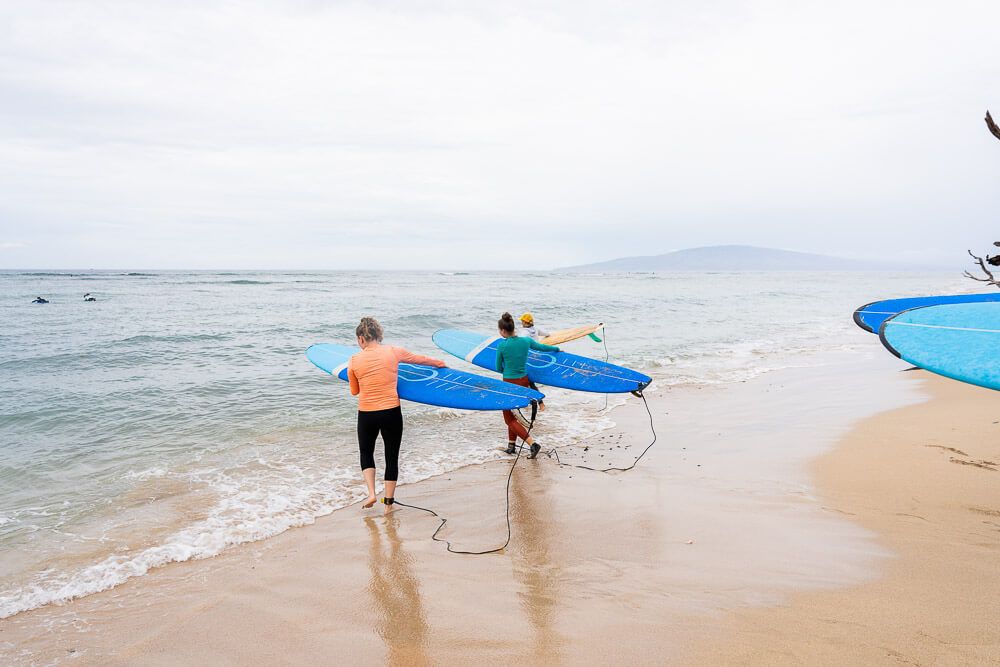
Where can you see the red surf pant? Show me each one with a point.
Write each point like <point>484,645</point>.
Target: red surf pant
<point>514,428</point>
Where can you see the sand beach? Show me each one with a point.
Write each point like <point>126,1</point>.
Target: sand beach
<point>242,243</point>
<point>924,478</point>
<point>860,525</point>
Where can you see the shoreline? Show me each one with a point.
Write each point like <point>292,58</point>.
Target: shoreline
<point>105,575</point>
<point>651,556</point>
<point>926,479</point>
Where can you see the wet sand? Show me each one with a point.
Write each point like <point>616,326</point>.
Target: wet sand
<point>926,479</point>
<point>713,548</point>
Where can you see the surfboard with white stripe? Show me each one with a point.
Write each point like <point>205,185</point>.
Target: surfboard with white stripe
<point>444,387</point>
<point>555,369</point>
<point>960,341</point>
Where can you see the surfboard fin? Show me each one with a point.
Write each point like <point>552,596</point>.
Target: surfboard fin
<point>637,392</point>
<point>594,337</point>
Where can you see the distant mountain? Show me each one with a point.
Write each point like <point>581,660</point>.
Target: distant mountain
<point>732,258</point>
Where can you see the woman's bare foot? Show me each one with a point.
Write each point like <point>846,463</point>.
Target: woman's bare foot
<point>388,509</point>
<point>370,502</point>
<point>541,407</point>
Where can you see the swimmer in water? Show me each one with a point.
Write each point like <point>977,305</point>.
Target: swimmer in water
<point>39,299</point>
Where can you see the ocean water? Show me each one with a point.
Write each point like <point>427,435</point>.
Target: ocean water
<point>177,415</point>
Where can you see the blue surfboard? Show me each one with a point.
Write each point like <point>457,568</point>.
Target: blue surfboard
<point>870,316</point>
<point>960,341</point>
<point>556,369</point>
<point>444,387</point>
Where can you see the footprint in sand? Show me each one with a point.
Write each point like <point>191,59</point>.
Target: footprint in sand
<point>948,449</point>
<point>985,465</point>
<point>984,510</point>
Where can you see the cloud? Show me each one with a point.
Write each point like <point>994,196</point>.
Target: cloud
<point>265,134</point>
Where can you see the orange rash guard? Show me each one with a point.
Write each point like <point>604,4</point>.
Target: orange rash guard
<point>372,374</point>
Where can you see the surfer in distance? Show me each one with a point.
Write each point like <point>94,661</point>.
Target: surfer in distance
<point>87,297</point>
<point>373,374</point>
<point>512,360</point>
<point>39,299</point>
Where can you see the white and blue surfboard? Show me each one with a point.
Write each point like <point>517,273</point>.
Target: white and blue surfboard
<point>871,315</point>
<point>444,387</point>
<point>556,369</point>
<point>960,341</point>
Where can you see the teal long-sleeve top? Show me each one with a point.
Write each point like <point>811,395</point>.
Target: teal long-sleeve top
<point>512,355</point>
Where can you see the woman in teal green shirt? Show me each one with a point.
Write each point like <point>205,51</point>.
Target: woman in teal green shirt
<point>512,361</point>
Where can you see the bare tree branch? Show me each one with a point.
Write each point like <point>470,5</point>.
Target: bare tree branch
<point>995,259</point>
<point>990,278</point>
<point>994,130</point>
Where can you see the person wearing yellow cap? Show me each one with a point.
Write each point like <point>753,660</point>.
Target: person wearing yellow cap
<point>529,329</point>
<point>533,332</point>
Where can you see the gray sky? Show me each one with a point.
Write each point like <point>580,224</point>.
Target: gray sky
<point>513,135</point>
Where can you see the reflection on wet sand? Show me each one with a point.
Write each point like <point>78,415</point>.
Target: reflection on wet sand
<point>534,567</point>
<point>396,594</point>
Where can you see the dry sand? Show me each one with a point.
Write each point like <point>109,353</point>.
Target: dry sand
<point>716,548</point>
<point>926,478</point>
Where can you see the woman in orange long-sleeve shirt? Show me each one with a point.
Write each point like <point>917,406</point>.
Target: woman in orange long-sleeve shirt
<point>372,373</point>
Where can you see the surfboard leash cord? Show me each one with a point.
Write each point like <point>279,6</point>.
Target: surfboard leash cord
<point>607,355</point>
<point>549,453</point>
<point>443,520</point>
<point>554,452</point>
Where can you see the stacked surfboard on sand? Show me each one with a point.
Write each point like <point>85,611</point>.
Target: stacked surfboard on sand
<point>957,336</point>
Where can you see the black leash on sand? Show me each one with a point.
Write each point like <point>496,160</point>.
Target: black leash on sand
<point>638,392</point>
<point>534,411</point>
<point>607,355</point>
<point>553,452</point>
<point>434,536</point>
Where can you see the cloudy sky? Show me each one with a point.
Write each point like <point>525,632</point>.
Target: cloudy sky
<point>494,135</point>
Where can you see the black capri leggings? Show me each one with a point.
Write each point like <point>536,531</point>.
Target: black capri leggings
<point>390,424</point>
